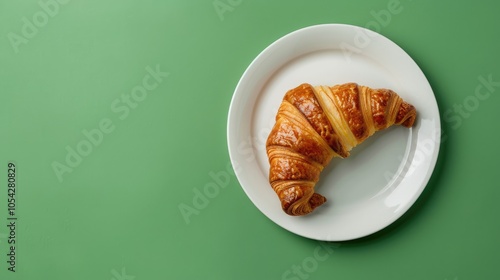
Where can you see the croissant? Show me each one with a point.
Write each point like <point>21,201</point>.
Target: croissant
<point>314,125</point>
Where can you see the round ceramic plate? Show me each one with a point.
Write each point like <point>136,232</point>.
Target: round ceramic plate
<point>383,176</point>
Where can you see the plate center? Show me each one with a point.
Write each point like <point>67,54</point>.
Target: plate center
<point>371,169</point>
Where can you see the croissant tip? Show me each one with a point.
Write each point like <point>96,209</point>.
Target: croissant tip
<point>307,207</point>
<point>410,120</point>
<point>407,115</point>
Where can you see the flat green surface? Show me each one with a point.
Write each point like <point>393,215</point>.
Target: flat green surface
<point>66,70</point>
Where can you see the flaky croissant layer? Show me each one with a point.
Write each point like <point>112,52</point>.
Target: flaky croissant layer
<point>314,125</point>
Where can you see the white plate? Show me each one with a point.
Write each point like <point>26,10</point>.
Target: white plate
<point>383,176</point>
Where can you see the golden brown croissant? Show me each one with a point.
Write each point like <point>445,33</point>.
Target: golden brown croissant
<point>315,124</point>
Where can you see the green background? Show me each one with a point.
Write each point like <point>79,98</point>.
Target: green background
<point>116,215</point>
